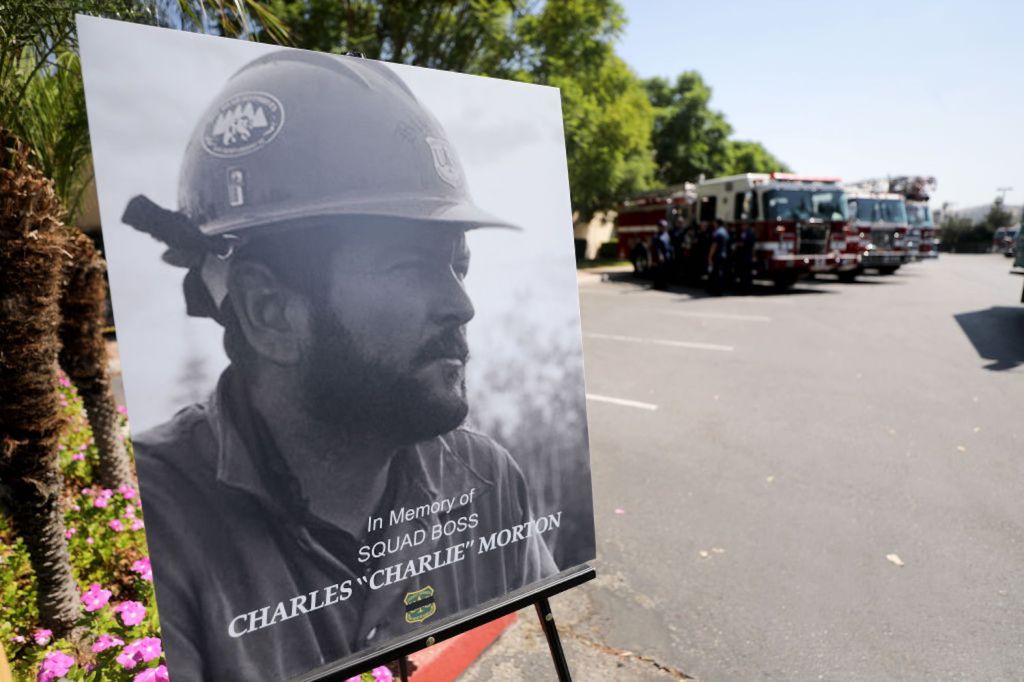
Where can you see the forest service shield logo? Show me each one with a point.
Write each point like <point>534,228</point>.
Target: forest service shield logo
<point>444,161</point>
<point>419,605</point>
<point>243,124</point>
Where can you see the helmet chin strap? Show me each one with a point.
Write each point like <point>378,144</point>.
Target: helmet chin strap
<point>208,259</point>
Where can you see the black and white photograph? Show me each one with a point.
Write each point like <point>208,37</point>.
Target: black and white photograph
<point>346,307</point>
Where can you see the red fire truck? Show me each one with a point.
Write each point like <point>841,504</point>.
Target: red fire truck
<point>880,221</point>
<point>800,221</point>
<point>922,238</point>
<point>638,217</point>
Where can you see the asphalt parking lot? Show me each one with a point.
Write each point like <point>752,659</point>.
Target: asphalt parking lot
<point>825,483</point>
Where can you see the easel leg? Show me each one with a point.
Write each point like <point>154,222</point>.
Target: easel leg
<point>403,668</point>
<point>547,621</point>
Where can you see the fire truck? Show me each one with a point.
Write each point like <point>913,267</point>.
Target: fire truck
<point>800,222</point>
<point>922,238</point>
<point>880,221</point>
<point>638,217</point>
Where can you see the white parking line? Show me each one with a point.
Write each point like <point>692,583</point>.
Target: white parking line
<point>719,316</point>
<point>663,342</point>
<point>621,401</point>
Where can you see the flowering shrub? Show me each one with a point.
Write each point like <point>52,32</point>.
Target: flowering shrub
<point>109,558</point>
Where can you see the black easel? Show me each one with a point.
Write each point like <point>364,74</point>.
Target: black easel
<point>536,595</point>
<point>547,621</point>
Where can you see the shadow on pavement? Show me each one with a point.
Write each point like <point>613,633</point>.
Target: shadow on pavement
<point>997,335</point>
<point>638,284</point>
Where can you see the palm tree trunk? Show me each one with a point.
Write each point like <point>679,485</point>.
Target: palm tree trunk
<point>84,358</point>
<point>31,251</point>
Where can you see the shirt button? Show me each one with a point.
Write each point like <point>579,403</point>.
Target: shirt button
<point>371,633</point>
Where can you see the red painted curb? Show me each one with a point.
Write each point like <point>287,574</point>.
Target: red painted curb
<point>446,660</point>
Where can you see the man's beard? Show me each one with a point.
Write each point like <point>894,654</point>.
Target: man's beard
<point>343,387</point>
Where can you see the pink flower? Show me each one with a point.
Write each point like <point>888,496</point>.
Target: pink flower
<point>127,491</point>
<point>78,457</point>
<point>121,409</point>
<point>55,666</point>
<point>129,510</point>
<point>88,491</point>
<point>69,532</point>
<point>100,502</point>
<point>127,658</point>
<point>95,598</point>
<point>157,674</point>
<point>63,380</point>
<point>89,541</point>
<point>137,524</point>
<point>382,674</point>
<point>139,651</point>
<point>105,642</point>
<point>149,648</point>
<point>116,525</point>
<point>144,568</point>
<point>132,612</point>
<point>42,637</point>
<point>20,639</point>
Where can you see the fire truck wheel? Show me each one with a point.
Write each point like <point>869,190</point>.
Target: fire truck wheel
<point>784,281</point>
<point>848,276</point>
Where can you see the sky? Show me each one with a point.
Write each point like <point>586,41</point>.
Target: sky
<point>856,89</point>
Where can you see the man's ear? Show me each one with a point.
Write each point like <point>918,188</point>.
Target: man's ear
<point>276,321</point>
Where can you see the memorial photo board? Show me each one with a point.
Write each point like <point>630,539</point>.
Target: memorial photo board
<point>346,307</point>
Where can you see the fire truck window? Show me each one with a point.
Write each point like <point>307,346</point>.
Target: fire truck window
<point>828,205</point>
<point>894,211</point>
<point>707,209</point>
<point>919,215</point>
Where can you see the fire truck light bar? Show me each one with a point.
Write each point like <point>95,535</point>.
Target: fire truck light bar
<point>793,177</point>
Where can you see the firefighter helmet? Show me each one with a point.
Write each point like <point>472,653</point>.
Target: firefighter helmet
<point>296,135</point>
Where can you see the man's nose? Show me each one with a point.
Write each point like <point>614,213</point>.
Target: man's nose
<point>453,305</point>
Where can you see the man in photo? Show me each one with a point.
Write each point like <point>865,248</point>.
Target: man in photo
<point>326,499</point>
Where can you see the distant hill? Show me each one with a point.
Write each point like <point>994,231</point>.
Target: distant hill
<point>977,213</point>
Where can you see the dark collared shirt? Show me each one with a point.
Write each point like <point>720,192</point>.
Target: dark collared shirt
<point>232,537</point>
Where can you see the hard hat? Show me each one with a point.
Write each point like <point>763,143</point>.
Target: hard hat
<point>297,135</point>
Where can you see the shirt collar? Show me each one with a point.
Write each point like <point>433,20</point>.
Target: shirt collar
<point>248,461</point>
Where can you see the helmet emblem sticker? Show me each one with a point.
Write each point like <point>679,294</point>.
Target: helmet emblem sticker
<point>444,161</point>
<point>244,123</point>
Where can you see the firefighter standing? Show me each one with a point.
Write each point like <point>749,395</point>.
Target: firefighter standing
<point>718,258</point>
<point>663,255</point>
<point>745,259</point>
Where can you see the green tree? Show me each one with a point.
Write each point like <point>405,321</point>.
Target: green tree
<point>475,36</point>
<point>608,118</point>
<point>689,138</point>
<point>752,157</point>
<point>997,216</point>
